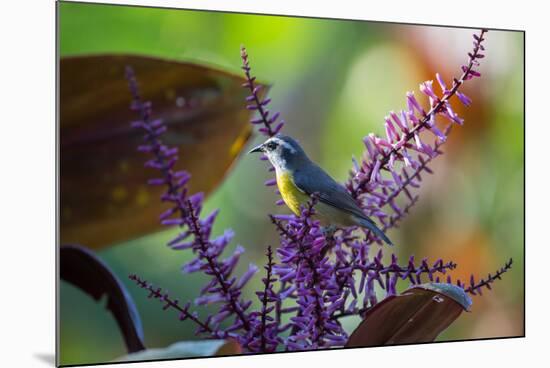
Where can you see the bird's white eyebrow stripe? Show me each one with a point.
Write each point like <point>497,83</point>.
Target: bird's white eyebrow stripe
<point>284,144</point>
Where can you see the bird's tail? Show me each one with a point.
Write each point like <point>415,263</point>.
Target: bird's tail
<point>369,224</point>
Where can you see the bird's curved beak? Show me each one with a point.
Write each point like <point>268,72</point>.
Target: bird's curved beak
<point>259,148</point>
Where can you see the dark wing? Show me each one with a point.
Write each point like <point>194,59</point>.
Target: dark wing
<point>314,179</point>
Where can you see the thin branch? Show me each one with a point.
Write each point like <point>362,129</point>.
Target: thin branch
<point>170,303</point>
<point>214,267</point>
<point>475,288</point>
<point>267,287</point>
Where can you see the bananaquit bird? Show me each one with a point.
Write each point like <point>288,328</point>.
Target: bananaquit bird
<point>298,178</point>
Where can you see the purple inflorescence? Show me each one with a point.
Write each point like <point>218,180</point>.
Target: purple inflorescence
<point>164,297</point>
<point>184,212</point>
<point>264,336</point>
<point>321,275</point>
<point>320,272</point>
<point>392,165</point>
<point>269,125</point>
<point>304,264</point>
<point>475,288</point>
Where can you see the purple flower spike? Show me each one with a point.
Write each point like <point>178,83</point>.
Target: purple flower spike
<point>376,183</point>
<point>185,213</point>
<point>268,125</point>
<point>475,288</point>
<point>184,312</point>
<point>255,103</point>
<point>265,329</point>
<point>302,254</point>
<point>321,275</point>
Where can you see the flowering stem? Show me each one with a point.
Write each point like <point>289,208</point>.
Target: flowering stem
<point>424,268</point>
<point>152,134</point>
<point>169,303</point>
<point>475,288</point>
<point>267,287</point>
<point>424,122</point>
<point>196,229</point>
<point>403,272</point>
<point>422,167</point>
<point>258,104</point>
<point>301,250</point>
<point>394,219</point>
<point>185,213</point>
<point>311,261</point>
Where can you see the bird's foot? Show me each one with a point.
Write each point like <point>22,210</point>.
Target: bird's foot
<point>328,231</point>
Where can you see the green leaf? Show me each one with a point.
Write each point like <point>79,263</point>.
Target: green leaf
<point>186,349</point>
<point>419,314</point>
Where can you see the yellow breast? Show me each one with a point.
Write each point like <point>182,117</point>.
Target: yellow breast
<point>294,198</point>
<point>291,195</point>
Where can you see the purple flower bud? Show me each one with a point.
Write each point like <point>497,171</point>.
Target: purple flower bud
<point>270,182</point>
<point>451,115</point>
<point>418,142</point>
<point>441,83</point>
<point>407,158</point>
<point>463,98</point>
<point>427,89</point>
<point>397,178</point>
<point>156,181</point>
<point>375,172</point>
<point>278,127</point>
<point>209,299</point>
<point>368,145</point>
<point>192,266</point>
<point>252,269</point>
<point>174,221</point>
<point>474,73</point>
<point>182,246</point>
<point>414,105</point>
<point>355,164</point>
<point>390,129</point>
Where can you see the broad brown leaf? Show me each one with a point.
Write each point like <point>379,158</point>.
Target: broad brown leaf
<point>104,195</point>
<point>231,347</point>
<point>418,315</point>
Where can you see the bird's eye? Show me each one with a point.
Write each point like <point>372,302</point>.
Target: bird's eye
<point>271,146</point>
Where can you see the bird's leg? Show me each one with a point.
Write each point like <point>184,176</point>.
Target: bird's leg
<point>328,231</point>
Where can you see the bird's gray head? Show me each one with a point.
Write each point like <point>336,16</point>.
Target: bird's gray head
<point>283,152</point>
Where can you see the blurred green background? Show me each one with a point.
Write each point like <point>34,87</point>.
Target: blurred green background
<point>333,82</point>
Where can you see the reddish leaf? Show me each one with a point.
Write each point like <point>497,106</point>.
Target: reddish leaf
<point>82,268</point>
<point>231,347</point>
<point>104,195</point>
<point>420,314</point>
